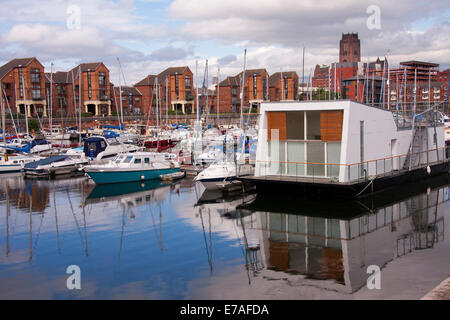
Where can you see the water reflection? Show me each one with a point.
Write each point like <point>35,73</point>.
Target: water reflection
<point>170,241</point>
<point>323,247</point>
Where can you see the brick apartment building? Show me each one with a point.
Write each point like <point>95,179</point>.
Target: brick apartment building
<point>62,92</point>
<point>132,101</point>
<point>174,87</point>
<point>283,86</point>
<point>95,90</point>
<point>23,86</point>
<point>256,90</point>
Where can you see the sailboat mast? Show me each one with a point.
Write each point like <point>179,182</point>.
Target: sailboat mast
<point>157,101</point>
<point>167,101</point>
<point>241,120</point>
<point>218,95</point>
<point>196,87</point>
<point>79,102</point>
<point>3,113</point>
<point>120,97</point>
<point>24,99</point>
<point>415,89</point>
<point>51,97</point>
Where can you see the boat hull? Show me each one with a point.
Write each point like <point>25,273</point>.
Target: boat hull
<point>266,185</point>
<point>105,176</point>
<point>10,168</point>
<point>214,183</point>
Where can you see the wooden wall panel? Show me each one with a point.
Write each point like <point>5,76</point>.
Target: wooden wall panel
<point>276,120</point>
<point>331,125</point>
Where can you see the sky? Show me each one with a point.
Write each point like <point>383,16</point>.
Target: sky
<point>147,36</point>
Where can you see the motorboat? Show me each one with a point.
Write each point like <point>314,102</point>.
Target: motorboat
<point>54,165</point>
<point>14,163</point>
<point>99,147</point>
<point>129,167</point>
<point>212,177</point>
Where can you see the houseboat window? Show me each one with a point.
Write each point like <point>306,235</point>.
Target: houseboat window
<point>295,153</point>
<point>295,125</point>
<point>313,125</point>
<point>137,160</point>
<point>316,159</point>
<point>333,157</point>
<point>147,160</point>
<point>127,159</point>
<point>277,155</point>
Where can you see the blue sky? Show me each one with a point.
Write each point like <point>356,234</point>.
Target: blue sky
<point>151,35</point>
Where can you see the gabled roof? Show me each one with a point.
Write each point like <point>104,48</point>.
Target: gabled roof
<point>230,82</point>
<point>150,79</point>
<point>275,78</point>
<point>125,90</point>
<point>237,79</point>
<point>59,77</point>
<point>147,81</point>
<point>15,63</point>
<point>91,66</point>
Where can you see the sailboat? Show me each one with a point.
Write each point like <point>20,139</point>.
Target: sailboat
<point>227,169</point>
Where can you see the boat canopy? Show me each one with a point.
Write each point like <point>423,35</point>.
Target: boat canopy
<point>49,160</point>
<point>94,144</point>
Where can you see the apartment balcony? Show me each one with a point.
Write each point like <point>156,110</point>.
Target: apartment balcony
<point>104,98</point>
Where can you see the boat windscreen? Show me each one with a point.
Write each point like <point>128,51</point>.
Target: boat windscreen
<point>127,159</point>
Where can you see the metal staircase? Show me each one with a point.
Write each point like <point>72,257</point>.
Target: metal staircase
<point>413,160</point>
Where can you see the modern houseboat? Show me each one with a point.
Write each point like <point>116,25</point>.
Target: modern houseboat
<point>344,148</point>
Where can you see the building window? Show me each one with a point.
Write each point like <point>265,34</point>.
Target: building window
<point>89,85</point>
<point>176,87</point>
<point>60,89</point>
<point>36,94</point>
<point>35,77</point>
<point>285,88</point>
<point>102,79</point>
<point>103,94</point>
<point>265,89</point>
<point>20,83</point>
<point>254,86</point>
<point>233,91</point>
<point>188,82</point>
<point>137,99</point>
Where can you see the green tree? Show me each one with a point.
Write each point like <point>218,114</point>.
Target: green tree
<point>33,124</point>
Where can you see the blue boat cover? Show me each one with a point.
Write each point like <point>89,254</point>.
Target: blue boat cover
<point>49,160</point>
<point>94,144</point>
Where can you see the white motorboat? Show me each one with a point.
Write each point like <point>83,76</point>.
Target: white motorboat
<point>14,163</point>
<point>213,177</point>
<point>98,148</point>
<point>54,165</point>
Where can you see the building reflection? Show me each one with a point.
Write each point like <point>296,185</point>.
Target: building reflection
<point>34,194</point>
<point>339,249</point>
